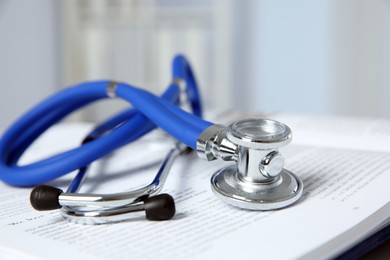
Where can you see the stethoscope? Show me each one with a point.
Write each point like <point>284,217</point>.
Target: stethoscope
<point>257,181</point>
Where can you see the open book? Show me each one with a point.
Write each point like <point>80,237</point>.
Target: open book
<point>344,164</point>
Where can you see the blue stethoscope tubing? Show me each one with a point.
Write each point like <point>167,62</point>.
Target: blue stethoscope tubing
<point>148,112</point>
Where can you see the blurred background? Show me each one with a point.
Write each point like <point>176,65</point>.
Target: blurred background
<point>302,56</point>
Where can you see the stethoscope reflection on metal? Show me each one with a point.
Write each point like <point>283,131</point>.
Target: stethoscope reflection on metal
<point>257,181</point>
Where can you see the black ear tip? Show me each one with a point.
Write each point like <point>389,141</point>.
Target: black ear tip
<point>160,207</point>
<point>45,197</point>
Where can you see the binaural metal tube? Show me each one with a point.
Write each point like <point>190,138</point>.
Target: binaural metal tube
<point>93,201</point>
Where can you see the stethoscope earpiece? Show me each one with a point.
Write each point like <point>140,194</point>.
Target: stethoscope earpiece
<point>159,207</point>
<point>45,197</point>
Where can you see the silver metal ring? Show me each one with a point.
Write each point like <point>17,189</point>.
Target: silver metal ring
<point>111,89</point>
<point>285,190</point>
<point>256,133</point>
<point>181,83</point>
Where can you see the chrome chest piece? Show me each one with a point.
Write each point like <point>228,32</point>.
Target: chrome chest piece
<point>258,181</point>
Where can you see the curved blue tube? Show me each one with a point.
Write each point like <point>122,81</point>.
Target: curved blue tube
<point>159,112</point>
<point>61,164</point>
<point>149,111</point>
<point>181,69</point>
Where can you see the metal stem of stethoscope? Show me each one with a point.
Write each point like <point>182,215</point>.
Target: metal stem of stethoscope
<point>100,208</point>
<point>103,208</point>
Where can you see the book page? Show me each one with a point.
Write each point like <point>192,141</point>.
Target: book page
<point>344,186</point>
<point>340,132</point>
